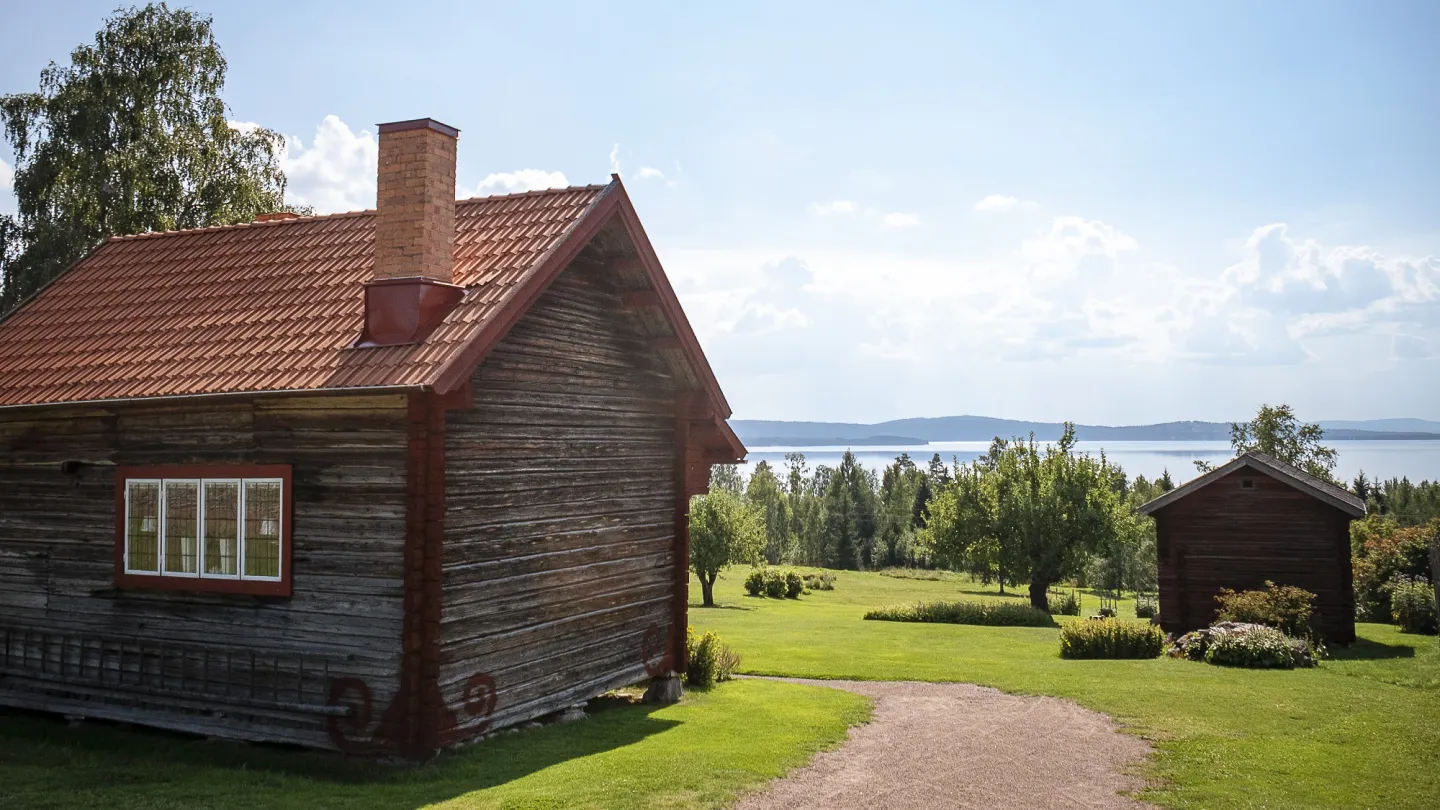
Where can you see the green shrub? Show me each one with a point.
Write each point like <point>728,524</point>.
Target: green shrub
<point>755,582</point>
<point>1146,607</point>
<point>1285,608</point>
<point>774,583</point>
<point>930,574</point>
<point>1064,603</point>
<point>1256,647</point>
<point>997,614</point>
<point>1111,638</point>
<point>824,581</point>
<point>1246,645</point>
<point>1412,605</point>
<point>1384,551</point>
<point>794,585</point>
<point>709,660</point>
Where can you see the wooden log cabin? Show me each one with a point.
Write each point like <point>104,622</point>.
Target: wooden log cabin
<point>1249,521</point>
<point>376,481</point>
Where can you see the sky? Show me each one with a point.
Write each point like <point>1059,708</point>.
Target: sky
<point>1112,213</point>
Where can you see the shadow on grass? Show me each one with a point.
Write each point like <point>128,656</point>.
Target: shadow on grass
<point>983,592</point>
<point>1366,650</point>
<point>721,607</point>
<point>111,766</point>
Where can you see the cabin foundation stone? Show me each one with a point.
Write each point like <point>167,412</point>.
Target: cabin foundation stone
<point>664,690</point>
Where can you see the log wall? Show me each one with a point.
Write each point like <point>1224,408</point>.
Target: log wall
<point>1226,536</point>
<point>561,502</point>
<point>160,658</point>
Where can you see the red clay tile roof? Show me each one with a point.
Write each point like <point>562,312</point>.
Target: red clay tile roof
<point>270,306</point>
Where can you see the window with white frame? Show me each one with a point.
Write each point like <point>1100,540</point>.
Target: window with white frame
<point>205,528</point>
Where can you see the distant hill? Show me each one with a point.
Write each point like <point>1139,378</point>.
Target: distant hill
<point>763,433</point>
<point>832,441</point>
<point>1385,425</point>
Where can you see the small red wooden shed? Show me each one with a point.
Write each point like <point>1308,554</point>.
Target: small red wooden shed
<point>1251,520</point>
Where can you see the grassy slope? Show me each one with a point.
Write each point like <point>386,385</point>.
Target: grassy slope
<point>1361,731</point>
<point>699,753</point>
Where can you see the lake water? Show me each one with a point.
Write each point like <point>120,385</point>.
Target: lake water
<point>1416,460</point>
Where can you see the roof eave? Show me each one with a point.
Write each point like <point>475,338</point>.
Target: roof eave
<point>217,395</point>
<point>1273,468</point>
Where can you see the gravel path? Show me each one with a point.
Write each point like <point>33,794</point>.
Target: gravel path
<point>955,745</point>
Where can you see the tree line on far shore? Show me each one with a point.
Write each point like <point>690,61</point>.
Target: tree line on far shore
<point>1022,514</point>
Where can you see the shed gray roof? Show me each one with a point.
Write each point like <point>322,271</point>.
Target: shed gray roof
<point>1338,497</point>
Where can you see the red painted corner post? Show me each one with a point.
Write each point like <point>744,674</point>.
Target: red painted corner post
<point>420,725</point>
<point>681,608</point>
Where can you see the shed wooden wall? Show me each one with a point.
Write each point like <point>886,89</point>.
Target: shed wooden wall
<point>57,537</point>
<point>559,569</point>
<point>1225,536</point>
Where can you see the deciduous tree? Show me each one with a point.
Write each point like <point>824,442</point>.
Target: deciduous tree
<point>131,136</point>
<point>724,530</point>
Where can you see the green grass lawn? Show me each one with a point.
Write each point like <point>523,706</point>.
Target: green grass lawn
<point>702,752</point>
<point>1363,730</point>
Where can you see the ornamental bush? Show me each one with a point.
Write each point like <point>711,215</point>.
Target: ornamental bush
<point>1412,605</point>
<point>1064,603</point>
<point>1384,551</point>
<point>1111,638</point>
<point>995,614</point>
<point>1246,645</point>
<point>794,585</point>
<point>708,659</point>
<point>1146,607</point>
<point>1285,608</point>
<point>755,582</point>
<point>824,581</point>
<point>775,583</point>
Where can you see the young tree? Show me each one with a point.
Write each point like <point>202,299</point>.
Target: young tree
<point>1032,515</point>
<point>849,516</point>
<point>1165,483</point>
<point>727,477</point>
<point>130,137</point>
<point>724,530</point>
<point>938,472</point>
<point>896,509</point>
<point>1276,432</point>
<point>963,531</point>
<point>765,496</point>
<point>920,508</point>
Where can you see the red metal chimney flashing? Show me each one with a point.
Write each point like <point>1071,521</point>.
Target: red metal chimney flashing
<point>405,310</point>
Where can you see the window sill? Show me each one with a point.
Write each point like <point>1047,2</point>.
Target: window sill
<point>155,582</point>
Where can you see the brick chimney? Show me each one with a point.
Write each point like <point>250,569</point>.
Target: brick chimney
<point>411,289</point>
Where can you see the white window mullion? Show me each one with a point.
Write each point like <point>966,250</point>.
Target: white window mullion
<point>240,530</point>
<point>200,528</point>
<point>160,529</point>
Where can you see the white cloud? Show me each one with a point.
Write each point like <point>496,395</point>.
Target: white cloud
<point>1325,289</point>
<point>516,182</point>
<point>650,173</point>
<point>336,172</point>
<point>615,159</point>
<point>1003,202</point>
<point>833,207</point>
<point>1076,247</point>
<point>898,219</point>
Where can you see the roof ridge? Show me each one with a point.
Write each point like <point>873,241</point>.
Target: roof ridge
<point>253,224</point>
<point>340,214</point>
<point>537,192</point>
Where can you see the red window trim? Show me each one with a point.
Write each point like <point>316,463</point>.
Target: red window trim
<point>157,582</point>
